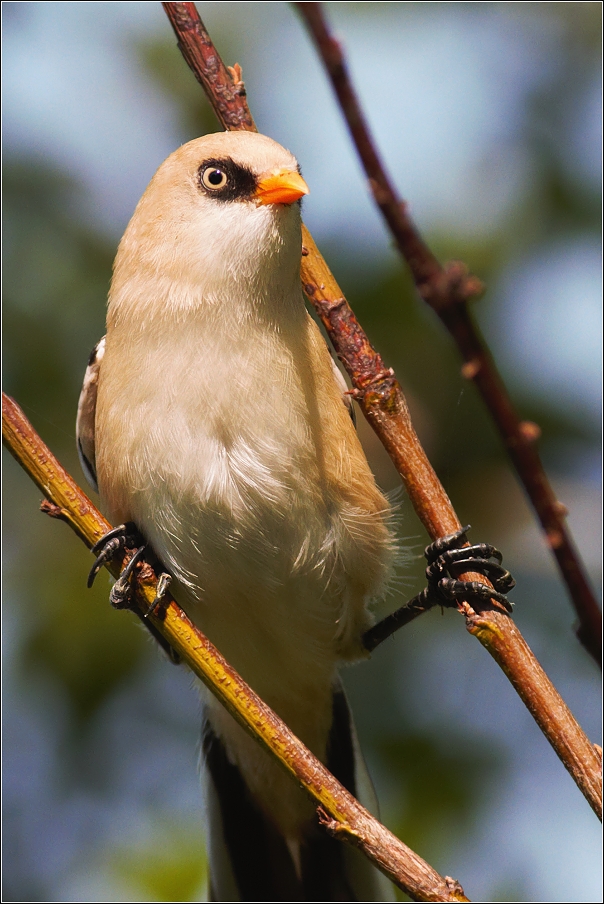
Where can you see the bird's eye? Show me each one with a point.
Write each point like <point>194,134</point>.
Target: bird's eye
<point>213,178</point>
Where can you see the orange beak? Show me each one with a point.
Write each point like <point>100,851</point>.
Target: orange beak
<point>282,187</point>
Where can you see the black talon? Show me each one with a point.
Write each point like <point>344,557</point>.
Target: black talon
<point>478,551</point>
<point>501,579</point>
<point>109,550</point>
<point>446,558</point>
<point>115,532</point>
<point>121,592</point>
<point>114,541</point>
<point>456,590</point>
<point>163,582</point>
<point>451,541</point>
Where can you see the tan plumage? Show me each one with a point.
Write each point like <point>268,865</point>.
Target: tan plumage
<point>221,432</point>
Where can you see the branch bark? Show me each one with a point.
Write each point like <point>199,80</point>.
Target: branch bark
<point>447,291</point>
<point>382,401</point>
<point>338,810</point>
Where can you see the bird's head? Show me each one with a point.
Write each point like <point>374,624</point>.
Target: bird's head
<point>221,213</point>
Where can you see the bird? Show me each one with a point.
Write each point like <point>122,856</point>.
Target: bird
<point>214,419</point>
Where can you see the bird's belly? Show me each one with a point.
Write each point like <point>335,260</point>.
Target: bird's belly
<point>236,506</point>
<point>259,573</point>
<point>275,548</point>
<point>255,552</point>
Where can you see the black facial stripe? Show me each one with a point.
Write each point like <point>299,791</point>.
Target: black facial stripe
<point>241,182</point>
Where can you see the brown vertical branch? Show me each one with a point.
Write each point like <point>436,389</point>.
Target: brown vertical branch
<point>342,815</point>
<point>382,401</point>
<point>378,393</point>
<point>447,290</point>
<point>225,93</point>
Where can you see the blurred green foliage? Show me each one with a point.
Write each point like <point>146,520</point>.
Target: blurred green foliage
<point>169,869</point>
<point>55,268</point>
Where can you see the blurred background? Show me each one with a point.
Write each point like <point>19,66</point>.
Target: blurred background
<point>488,115</point>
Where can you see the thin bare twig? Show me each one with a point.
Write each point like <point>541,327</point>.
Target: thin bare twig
<point>225,93</point>
<point>342,815</point>
<point>447,290</point>
<point>382,401</point>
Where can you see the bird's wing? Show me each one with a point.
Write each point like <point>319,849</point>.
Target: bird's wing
<point>87,412</point>
<point>346,396</point>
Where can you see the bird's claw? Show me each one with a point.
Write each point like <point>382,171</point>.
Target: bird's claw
<point>120,595</point>
<point>109,549</point>
<point>444,588</point>
<point>111,544</point>
<point>114,542</point>
<point>446,559</point>
<point>163,582</point>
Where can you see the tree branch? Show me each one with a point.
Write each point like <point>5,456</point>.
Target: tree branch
<point>447,291</point>
<point>340,812</point>
<point>381,399</point>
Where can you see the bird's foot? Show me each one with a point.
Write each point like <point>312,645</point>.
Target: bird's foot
<point>115,543</point>
<point>121,594</point>
<point>445,560</point>
<point>163,582</point>
<point>112,544</point>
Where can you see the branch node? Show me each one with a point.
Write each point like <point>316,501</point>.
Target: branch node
<point>238,83</point>
<point>461,284</point>
<point>554,538</point>
<point>454,887</point>
<point>329,305</point>
<point>529,431</point>
<point>484,628</point>
<point>328,822</point>
<point>381,390</point>
<point>379,192</point>
<point>53,511</point>
<point>471,368</point>
<point>449,286</point>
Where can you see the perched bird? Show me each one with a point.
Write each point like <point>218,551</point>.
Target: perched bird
<point>213,417</point>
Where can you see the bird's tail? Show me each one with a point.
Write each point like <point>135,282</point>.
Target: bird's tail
<point>250,860</point>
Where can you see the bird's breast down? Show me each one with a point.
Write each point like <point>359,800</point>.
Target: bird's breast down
<point>272,526</point>
<point>223,460</point>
